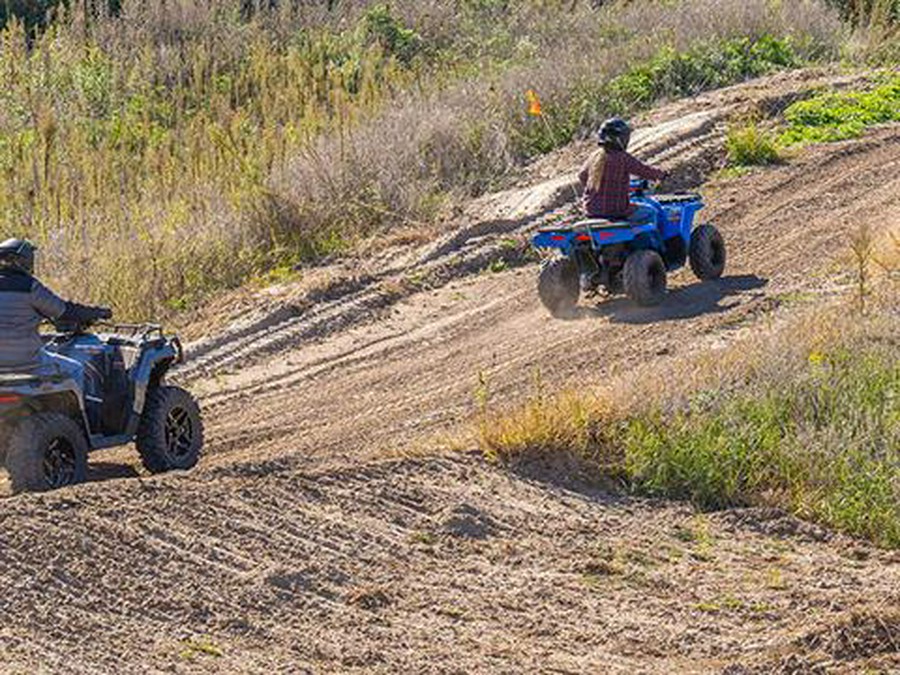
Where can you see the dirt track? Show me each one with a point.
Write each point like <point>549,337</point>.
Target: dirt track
<point>398,358</point>
<point>295,548</point>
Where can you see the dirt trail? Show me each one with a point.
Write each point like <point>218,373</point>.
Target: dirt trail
<point>441,566</point>
<point>296,547</point>
<point>397,356</point>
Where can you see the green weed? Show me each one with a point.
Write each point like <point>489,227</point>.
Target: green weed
<point>197,647</point>
<point>824,443</point>
<point>423,538</point>
<point>832,116</point>
<point>746,144</point>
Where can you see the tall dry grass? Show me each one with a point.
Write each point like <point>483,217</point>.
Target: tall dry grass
<point>180,149</point>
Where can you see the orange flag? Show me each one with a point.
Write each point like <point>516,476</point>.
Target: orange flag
<point>534,103</point>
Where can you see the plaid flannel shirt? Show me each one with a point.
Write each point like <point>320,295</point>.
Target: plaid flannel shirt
<point>612,199</point>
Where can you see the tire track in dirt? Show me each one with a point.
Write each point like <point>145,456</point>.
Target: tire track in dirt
<point>357,324</point>
<point>462,253</point>
<point>441,565</point>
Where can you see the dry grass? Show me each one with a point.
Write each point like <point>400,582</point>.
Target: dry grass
<point>179,150</point>
<point>805,418</point>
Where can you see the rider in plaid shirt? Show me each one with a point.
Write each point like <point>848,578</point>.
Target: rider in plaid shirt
<point>607,174</point>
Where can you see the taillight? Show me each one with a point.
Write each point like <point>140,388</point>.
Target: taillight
<point>557,237</point>
<point>583,237</point>
<point>9,399</point>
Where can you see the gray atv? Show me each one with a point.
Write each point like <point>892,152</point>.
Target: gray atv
<point>49,424</point>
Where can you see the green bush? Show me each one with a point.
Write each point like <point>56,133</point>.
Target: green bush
<point>381,27</point>
<point>748,145</point>
<point>838,116</point>
<point>669,74</point>
<point>827,446</point>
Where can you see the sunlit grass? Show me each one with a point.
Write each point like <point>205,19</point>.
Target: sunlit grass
<point>748,144</point>
<point>180,150</point>
<point>808,422</point>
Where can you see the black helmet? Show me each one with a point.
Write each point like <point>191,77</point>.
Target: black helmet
<point>614,134</point>
<point>18,254</point>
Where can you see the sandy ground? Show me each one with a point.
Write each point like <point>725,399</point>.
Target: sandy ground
<point>304,544</point>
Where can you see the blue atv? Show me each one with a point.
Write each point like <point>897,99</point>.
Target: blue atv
<point>621,256</point>
<point>49,422</point>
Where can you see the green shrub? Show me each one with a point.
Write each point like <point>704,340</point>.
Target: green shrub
<point>381,27</point>
<point>748,145</point>
<point>669,74</point>
<point>838,116</point>
<point>820,439</point>
<point>827,446</point>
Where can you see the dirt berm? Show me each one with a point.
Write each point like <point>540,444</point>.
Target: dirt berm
<point>304,543</point>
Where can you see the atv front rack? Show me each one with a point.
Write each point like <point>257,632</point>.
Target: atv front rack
<point>678,198</point>
<point>138,333</point>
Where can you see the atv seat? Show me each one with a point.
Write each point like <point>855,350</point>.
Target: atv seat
<point>604,224</point>
<point>589,223</point>
<point>18,376</point>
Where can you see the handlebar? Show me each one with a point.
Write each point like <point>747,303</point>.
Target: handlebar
<point>137,331</point>
<point>72,327</point>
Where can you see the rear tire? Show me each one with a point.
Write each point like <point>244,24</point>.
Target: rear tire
<point>707,253</point>
<point>170,435</point>
<point>644,277</point>
<point>46,451</point>
<point>558,286</point>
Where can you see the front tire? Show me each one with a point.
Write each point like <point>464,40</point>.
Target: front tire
<point>46,451</point>
<point>170,435</point>
<point>558,286</point>
<point>707,253</point>
<point>644,277</point>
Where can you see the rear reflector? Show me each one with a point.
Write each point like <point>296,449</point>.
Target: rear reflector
<point>583,237</point>
<point>6,399</point>
<point>557,237</point>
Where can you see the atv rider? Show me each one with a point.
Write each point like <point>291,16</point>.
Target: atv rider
<point>606,176</point>
<point>24,304</point>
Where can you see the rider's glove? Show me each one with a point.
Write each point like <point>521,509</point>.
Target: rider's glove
<point>82,314</point>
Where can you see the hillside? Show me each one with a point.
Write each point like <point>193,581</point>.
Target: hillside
<point>304,544</point>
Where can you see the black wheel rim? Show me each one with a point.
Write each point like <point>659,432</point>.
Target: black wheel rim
<point>60,464</point>
<point>179,433</point>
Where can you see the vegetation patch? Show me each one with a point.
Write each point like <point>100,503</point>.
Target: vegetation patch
<point>840,116</point>
<point>159,155</point>
<point>747,144</point>
<point>668,74</point>
<point>822,441</point>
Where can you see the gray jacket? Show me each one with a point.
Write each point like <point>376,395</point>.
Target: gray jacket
<point>24,303</point>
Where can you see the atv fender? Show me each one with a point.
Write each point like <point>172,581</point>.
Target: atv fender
<point>59,397</point>
<point>151,372</point>
<point>649,241</point>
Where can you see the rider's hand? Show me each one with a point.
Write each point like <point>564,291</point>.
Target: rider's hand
<point>104,313</point>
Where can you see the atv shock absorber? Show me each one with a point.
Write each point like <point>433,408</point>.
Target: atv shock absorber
<point>586,260</point>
